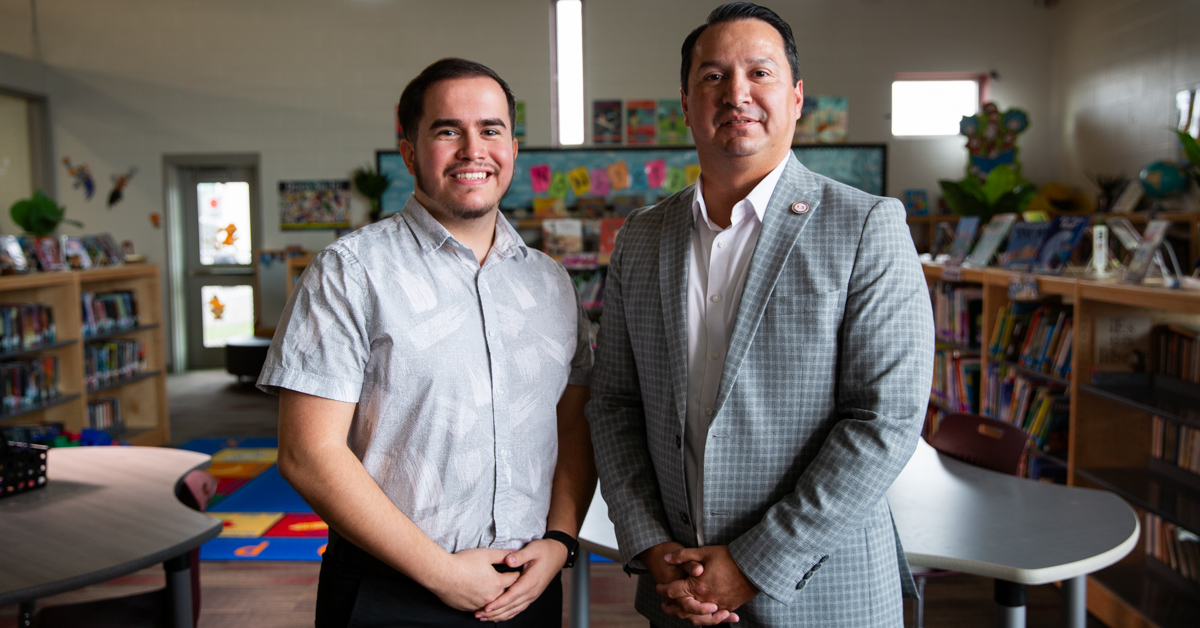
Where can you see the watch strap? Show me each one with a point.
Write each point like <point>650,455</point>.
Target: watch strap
<point>569,541</point>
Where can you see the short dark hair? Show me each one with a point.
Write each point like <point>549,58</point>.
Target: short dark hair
<point>412,100</point>
<point>733,12</point>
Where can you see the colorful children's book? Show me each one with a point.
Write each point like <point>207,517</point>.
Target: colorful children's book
<point>672,128</point>
<point>641,118</point>
<point>607,124</point>
<point>916,202</point>
<point>989,242</point>
<point>1023,244</point>
<point>562,236</point>
<point>49,254</point>
<point>1064,235</point>
<point>964,238</point>
<point>75,255</point>
<point>609,227</point>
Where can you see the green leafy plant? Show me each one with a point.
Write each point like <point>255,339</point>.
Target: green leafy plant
<point>1004,191</point>
<point>1191,149</point>
<point>372,185</point>
<point>39,215</point>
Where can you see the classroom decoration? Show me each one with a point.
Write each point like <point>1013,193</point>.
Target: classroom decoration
<point>823,119</point>
<point>39,215</point>
<point>1163,179</point>
<point>81,177</point>
<point>156,219</point>
<point>218,308</point>
<point>548,181</point>
<point>916,202</point>
<point>371,184</point>
<point>672,125</point>
<point>119,183</point>
<point>323,204</point>
<point>992,139</point>
<point>1003,191</point>
<point>606,122</point>
<point>641,121</point>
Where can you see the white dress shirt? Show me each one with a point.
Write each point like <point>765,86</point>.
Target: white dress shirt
<point>717,266</point>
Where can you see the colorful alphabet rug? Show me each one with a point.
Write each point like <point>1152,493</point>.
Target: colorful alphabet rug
<point>264,517</point>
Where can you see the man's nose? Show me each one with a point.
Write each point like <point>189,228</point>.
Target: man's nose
<point>737,90</point>
<point>472,147</point>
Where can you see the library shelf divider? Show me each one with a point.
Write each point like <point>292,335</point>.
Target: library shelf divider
<point>142,396</point>
<point>1110,440</point>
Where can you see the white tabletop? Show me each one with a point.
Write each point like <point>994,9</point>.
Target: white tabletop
<point>952,515</point>
<point>105,512</point>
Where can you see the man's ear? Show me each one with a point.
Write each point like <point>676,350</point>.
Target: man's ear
<point>409,153</point>
<point>799,98</point>
<point>687,121</point>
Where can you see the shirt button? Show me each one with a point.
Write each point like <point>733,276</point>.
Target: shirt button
<point>721,244</point>
<point>716,355</point>
<point>716,298</point>
<point>708,412</point>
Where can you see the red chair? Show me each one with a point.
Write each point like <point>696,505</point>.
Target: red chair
<point>981,441</point>
<point>150,609</point>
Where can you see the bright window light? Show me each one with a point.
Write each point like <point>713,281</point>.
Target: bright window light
<point>568,17</point>
<point>932,107</point>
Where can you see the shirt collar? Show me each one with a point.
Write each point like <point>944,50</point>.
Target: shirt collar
<point>755,202</point>
<point>432,235</point>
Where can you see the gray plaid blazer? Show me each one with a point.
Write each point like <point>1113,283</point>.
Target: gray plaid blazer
<point>820,404</point>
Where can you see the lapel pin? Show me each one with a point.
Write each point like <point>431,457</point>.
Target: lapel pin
<point>799,207</point>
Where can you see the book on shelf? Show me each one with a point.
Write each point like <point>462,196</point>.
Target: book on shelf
<point>1176,351</point>
<point>609,227</point>
<point>1175,444</point>
<point>607,127</point>
<point>26,325</point>
<point>104,413</point>
<point>1039,407</point>
<point>964,239</point>
<point>562,235</point>
<point>994,233</point>
<point>958,313</point>
<point>641,121</point>
<point>1023,244</point>
<point>956,380</point>
<point>1060,242</point>
<point>108,362</point>
<point>1172,545</point>
<point>29,382</point>
<point>107,312</point>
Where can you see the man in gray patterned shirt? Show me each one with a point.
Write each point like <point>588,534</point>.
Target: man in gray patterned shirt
<point>432,373</point>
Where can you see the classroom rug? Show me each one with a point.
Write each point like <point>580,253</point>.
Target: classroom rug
<point>264,517</point>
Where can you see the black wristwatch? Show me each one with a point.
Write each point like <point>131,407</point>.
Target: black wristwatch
<point>571,542</point>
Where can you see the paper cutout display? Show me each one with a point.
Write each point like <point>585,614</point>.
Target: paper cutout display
<point>676,180</point>
<point>119,183</point>
<point>618,175</point>
<point>82,176</point>
<point>600,185</point>
<point>656,173</point>
<point>692,172</point>
<point>539,178</point>
<point>580,181</point>
<point>559,186</point>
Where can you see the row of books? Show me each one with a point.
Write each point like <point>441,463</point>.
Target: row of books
<point>1175,444</point>
<point>107,312</point>
<point>31,432</point>
<point>26,325</point>
<point>21,254</point>
<point>111,361</point>
<point>1037,336</point>
<point>1039,246</point>
<point>957,313</point>
<point>563,236</point>
<point>1177,352</point>
<point>956,380</point>
<point>1041,409</point>
<point>104,413</point>
<point>1176,547</point>
<point>29,382</point>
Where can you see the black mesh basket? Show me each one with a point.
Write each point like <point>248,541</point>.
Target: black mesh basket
<point>22,467</point>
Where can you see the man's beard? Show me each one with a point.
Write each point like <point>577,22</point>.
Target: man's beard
<point>457,211</point>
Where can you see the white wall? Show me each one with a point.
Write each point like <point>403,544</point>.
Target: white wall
<point>1117,67</point>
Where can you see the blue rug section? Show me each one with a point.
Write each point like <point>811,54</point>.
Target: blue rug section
<point>209,446</point>
<point>268,492</point>
<point>259,443</point>
<point>273,548</point>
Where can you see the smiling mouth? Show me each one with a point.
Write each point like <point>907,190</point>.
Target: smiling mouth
<point>471,176</point>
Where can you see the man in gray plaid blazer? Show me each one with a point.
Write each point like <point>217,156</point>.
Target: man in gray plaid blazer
<point>763,367</point>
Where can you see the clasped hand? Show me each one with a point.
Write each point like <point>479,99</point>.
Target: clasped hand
<point>702,585</point>
<point>473,584</point>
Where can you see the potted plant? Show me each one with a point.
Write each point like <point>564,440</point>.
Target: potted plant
<point>372,185</point>
<point>1004,191</point>
<point>39,215</point>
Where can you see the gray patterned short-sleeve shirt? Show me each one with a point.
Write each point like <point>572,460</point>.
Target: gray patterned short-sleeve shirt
<point>456,370</point>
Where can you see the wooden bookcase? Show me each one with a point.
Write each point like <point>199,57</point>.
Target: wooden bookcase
<point>1110,437</point>
<point>143,397</point>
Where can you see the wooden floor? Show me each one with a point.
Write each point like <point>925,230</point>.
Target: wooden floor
<point>283,594</point>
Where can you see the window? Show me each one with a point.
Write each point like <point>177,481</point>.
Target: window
<point>567,72</point>
<point>924,105</point>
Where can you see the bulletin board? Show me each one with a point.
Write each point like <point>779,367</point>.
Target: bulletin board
<point>652,172</point>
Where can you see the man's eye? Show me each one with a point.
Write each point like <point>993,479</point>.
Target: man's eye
<point>712,77</point>
<point>447,132</point>
<point>491,132</point>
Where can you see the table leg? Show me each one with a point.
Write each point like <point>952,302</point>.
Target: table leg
<point>25,614</point>
<point>1011,598</point>
<point>1075,602</point>
<point>580,590</point>
<point>179,589</point>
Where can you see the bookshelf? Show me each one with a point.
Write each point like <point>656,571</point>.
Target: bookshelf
<point>1110,436</point>
<point>924,228</point>
<point>142,396</point>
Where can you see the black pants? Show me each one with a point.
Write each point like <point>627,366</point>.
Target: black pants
<point>357,590</point>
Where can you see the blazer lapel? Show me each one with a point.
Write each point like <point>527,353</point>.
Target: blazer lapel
<point>673,269</point>
<point>798,189</point>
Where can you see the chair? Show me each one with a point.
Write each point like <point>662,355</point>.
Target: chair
<point>981,441</point>
<point>150,609</point>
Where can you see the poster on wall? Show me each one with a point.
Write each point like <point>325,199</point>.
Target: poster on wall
<point>314,204</point>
